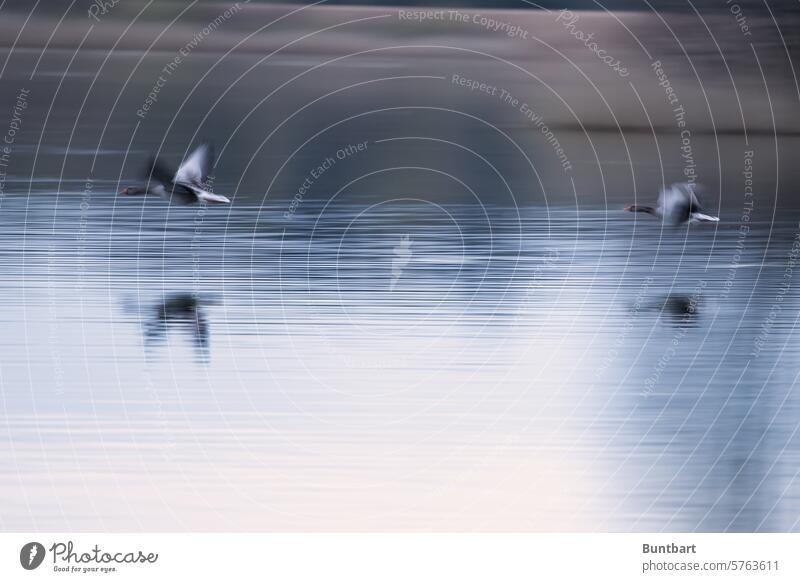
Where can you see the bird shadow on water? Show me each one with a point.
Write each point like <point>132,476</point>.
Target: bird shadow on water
<point>178,312</point>
<point>678,310</point>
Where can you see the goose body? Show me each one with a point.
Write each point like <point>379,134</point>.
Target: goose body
<point>187,186</point>
<point>677,205</point>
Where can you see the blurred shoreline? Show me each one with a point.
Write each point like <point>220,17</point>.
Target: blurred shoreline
<point>726,79</point>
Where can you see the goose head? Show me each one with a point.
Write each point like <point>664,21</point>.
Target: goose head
<point>636,208</point>
<point>133,191</point>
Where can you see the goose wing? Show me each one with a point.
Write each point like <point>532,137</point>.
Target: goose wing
<point>159,179</point>
<point>180,194</point>
<point>677,203</point>
<point>690,191</point>
<point>158,172</point>
<point>196,168</point>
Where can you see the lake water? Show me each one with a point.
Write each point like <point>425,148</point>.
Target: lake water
<point>446,331</point>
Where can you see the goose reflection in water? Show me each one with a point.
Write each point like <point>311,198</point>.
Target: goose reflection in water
<point>181,311</point>
<point>680,310</point>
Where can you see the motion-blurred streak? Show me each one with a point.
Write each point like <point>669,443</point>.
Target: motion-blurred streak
<point>183,312</point>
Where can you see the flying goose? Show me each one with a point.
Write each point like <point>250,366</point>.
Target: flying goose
<point>188,186</point>
<point>677,205</point>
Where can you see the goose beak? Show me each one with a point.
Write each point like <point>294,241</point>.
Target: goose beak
<point>123,192</point>
<point>628,209</point>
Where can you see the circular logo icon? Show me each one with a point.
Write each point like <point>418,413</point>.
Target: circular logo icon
<point>31,555</point>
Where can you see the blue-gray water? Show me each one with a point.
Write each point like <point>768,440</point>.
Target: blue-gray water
<point>176,369</point>
<point>447,331</point>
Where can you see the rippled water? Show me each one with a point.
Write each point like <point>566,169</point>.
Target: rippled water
<point>402,364</point>
<point>447,332</point>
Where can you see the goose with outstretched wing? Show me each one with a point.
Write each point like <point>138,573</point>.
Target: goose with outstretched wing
<point>187,186</point>
<point>677,205</point>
